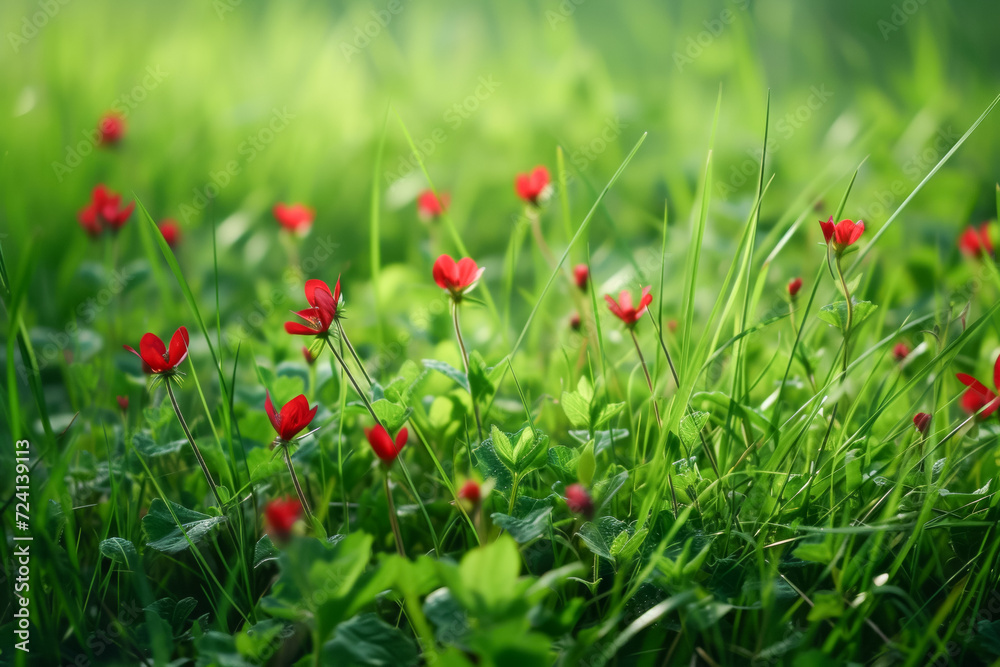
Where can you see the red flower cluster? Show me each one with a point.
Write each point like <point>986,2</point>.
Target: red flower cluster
<point>383,444</point>
<point>976,242</point>
<point>623,308</point>
<point>471,492</point>
<point>456,277</point>
<point>122,402</point>
<point>154,353</point>
<point>110,129</point>
<point>322,312</point>
<point>534,187</point>
<point>842,234</point>
<point>171,232</point>
<point>977,396</point>
<point>578,501</point>
<point>105,211</point>
<point>296,218</point>
<point>900,351</point>
<point>280,516</point>
<point>430,207</point>
<point>308,355</point>
<point>922,420</point>
<point>295,415</point>
<point>581,274</point>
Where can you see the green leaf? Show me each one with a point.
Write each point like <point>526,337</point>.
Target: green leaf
<point>174,612</point>
<point>586,465</point>
<point>368,640</point>
<point>826,604</point>
<point>606,413</point>
<point>577,409</point>
<point>448,370</point>
<point>391,415</point>
<point>531,450</point>
<point>503,449</point>
<point>164,533</point>
<point>691,426</point>
<point>533,525</point>
<point>119,550</point>
<point>600,535</point>
<point>835,314</point>
<point>486,582</point>
<point>265,552</point>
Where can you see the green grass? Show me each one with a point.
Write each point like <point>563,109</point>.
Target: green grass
<point>786,512</point>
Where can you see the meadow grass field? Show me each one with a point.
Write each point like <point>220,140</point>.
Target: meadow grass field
<point>523,333</point>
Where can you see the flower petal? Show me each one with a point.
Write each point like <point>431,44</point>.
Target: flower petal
<point>179,347</point>
<point>269,408</point>
<point>445,271</point>
<point>152,349</point>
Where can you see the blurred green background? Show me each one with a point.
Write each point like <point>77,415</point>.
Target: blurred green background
<point>292,99</point>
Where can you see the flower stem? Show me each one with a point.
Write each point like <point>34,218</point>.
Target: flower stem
<point>649,380</point>
<point>850,314</point>
<point>295,480</point>
<point>536,231</point>
<point>513,495</point>
<point>465,362</point>
<point>357,360</point>
<point>393,519</point>
<point>194,445</point>
<point>357,389</point>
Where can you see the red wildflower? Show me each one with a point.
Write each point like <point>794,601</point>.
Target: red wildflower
<point>122,402</point>
<point>280,516</point>
<point>533,187</point>
<point>842,234</point>
<point>429,206</point>
<point>471,492</point>
<point>154,353</point>
<point>794,285</point>
<point>296,218</point>
<point>171,232</point>
<point>295,415</point>
<point>578,500</point>
<point>976,242</point>
<point>456,277</point>
<point>922,420</point>
<point>581,273</point>
<point>623,309</point>
<point>322,313</point>
<point>901,351</point>
<point>382,443</point>
<point>104,211</point>
<point>977,396</point>
<point>110,128</point>
<point>308,355</point>
<point>574,321</point>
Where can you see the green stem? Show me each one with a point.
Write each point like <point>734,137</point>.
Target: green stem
<point>850,314</point>
<point>357,360</point>
<point>465,362</point>
<point>357,389</point>
<point>194,445</point>
<point>295,480</point>
<point>649,380</point>
<point>393,519</point>
<point>513,494</point>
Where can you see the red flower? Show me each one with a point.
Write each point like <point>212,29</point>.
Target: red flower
<point>154,353</point>
<point>976,242</point>
<point>533,187</point>
<point>471,492</point>
<point>794,285</point>
<point>104,210</point>
<point>171,232</point>
<point>921,420</point>
<point>456,277</point>
<point>579,501</point>
<point>322,313</point>
<point>296,218</point>
<point>295,415</point>
<point>901,351</point>
<point>110,128</point>
<point>308,355</point>
<point>842,234</point>
<point>122,402</point>
<point>430,206</point>
<point>382,443</point>
<point>574,321</point>
<point>623,309</point>
<point>280,516</point>
<point>581,273</point>
<point>977,396</point>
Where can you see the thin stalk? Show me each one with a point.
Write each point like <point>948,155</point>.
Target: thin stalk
<point>850,314</point>
<point>536,231</point>
<point>357,360</point>
<point>357,389</point>
<point>393,520</point>
<point>649,380</point>
<point>465,362</point>
<point>513,494</point>
<point>295,480</point>
<point>194,446</point>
